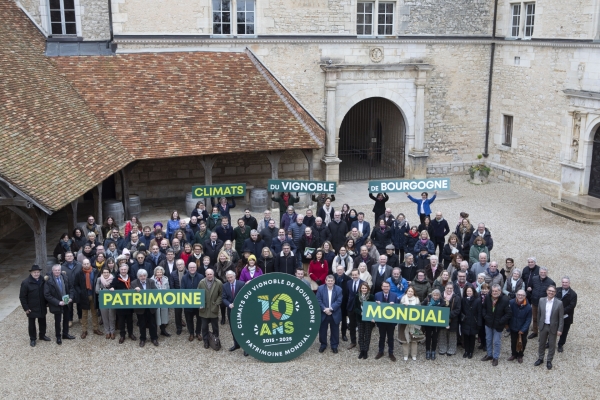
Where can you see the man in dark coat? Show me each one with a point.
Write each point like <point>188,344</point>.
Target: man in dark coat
<point>440,230</point>
<point>341,280</point>
<point>212,247</point>
<point>569,300</point>
<point>124,315</point>
<point>71,267</point>
<point>230,290</point>
<point>338,230</point>
<point>33,302</point>
<point>496,314</point>
<point>285,261</point>
<point>537,289</point>
<point>146,316</point>
<point>249,220</point>
<point>269,232</point>
<point>56,287</point>
<point>191,281</point>
<point>320,231</point>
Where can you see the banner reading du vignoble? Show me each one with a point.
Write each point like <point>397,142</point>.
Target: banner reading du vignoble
<point>392,185</point>
<point>400,314</point>
<point>173,298</point>
<point>278,185</point>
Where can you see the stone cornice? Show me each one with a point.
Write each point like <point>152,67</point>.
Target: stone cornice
<point>178,40</point>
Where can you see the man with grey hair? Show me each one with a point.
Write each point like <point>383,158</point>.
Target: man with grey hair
<point>56,290</point>
<point>485,234</point>
<point>569,299</point>
<point>213,298</point>
<point>531,270</point>
<point>380,273</point>
<point>230,290</point>
<point>519,324</point>
<point>464,266</point>
<point>297,227</point>
<point>337,229</point>
<point>537,289</point>
<point>482,265</point>
<point>175,283</point>
<point>493,276</point>
<point>496,314</point>
<point>551,313</point>
<point>263,223</point>
<point>288,218</point>
<point>146,316</point>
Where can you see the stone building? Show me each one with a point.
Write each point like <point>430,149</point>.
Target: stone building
<point>427,84</point>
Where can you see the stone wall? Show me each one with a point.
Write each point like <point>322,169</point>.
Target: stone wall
<point>452,18</point>
<point>278,17</point>
<point>94,19</point>
<point>175,177</point>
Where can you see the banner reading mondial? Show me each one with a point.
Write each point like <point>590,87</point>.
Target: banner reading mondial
<point>400,314</point>
<point>392,185</point>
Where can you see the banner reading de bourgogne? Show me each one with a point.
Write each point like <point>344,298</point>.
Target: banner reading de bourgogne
<point>401,314</point>
<point>275,317</point>
<point>173,298</point>
<point>278,185</point>
<point>402,185</point>
<point>224,190</point>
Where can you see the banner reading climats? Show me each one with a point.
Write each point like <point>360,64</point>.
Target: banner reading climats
<point>400,314</point>
<point>227,190</point>
<point>275,185</point>
<point>409,185</point>
<point>174,298</point>
<point>275,317</point>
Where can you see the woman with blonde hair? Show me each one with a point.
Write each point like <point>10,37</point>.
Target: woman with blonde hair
<point>406,331</point>
<point>364,274</point>
<point>162,314</point>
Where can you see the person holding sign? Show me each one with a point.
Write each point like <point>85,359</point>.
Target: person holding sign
<point>423,205</point>
<point>379,207</point>
<point>223,206</point>
<point>146,316</point>
<point>406,333</point>
<point>59,293</point>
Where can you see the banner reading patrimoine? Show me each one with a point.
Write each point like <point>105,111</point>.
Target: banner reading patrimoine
<point>173,298</point>
<point>275,317</point>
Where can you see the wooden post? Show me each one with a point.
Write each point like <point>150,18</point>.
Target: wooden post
<point>125,186</point>
<point>38,222</point>
<point>308,153</point>
<point>72,216</point>
<point>274,157</point>
<point>97,193</point>
<point>208,163</point>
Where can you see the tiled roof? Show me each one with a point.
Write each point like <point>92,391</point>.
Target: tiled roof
<point>163,105</point>
<point>53,148</point>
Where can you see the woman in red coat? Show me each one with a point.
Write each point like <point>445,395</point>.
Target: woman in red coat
<point>318,268</point>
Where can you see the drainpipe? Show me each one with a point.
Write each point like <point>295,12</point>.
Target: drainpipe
<point>110,24</point>
<point>490,79</point>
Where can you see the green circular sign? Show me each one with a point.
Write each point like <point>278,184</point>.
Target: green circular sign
<point>275,317</point>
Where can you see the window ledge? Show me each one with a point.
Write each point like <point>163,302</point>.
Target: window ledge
<point>503,147</point>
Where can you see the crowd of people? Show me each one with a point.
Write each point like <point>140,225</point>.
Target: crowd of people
<point>334,251</point>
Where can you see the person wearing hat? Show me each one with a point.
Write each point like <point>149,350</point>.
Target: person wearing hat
<point>33,302</point>
<point>393,261</point>
<point>251,270</point>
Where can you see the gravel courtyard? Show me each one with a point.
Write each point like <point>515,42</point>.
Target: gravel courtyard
<point>100,368</point>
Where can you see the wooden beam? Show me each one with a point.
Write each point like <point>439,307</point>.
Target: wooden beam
<point>14,201</point>
<point>125,186</point>
<point>97,194</point>
<point>72,216</point>
<point>308,153</point>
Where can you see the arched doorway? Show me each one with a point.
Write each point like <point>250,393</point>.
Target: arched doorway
<point>372,138</point>
<point>594,187</point>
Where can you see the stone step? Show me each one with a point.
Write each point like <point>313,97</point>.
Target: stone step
<point>588,203</point>
<point>575,209</point>
<point>567,214</point>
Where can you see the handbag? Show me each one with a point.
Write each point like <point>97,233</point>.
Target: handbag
<point>520,343</point>
<point>214,342</point>
<point>417,334</point>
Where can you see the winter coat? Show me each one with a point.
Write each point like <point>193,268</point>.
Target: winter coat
<point>71,272</point>
<point>379,207</point>
<point>399,289</point>
<point>528,274</point>
<point>521,316</point>
<point>318,271</point>
<point>320,199</point>
<point>287,220</point>
<point>268,235</point>
<point>358,305</point>
<point>429,228</point>
<point>172,226</point>
<point>455,309</point>
<point>496,317</point>
<point>430,275</point>
<point>297,232</point>
<point>447,253</point>
<point>508,288</point>
<point>266,264</point>
<point>422,288</point>
<point>212,299</point>
<point>493,280</point>
<point>254,247</point>
<point>410,243</point>
<point>187,282</point>
<point>277,245</point>
<point>32,297</point>
<point>226,233</point>
<point>81,292</point>
<point>487,237</point>
<point>409,272</point>
<point>428,245</point>
<point>381,239</point>
<point>440,228</point>
<point>338,234</point>
<point>286,264</point>
<point>305,242</point>
<point>321,234</point>
<point>240,238</point>
<point>399,231</point>
<point>53,294</point>
<point>250,222</point>
<point>538,288</point>
<point>282,207</point>
<point>223,210</point>
<point>475,251</point>
<point>426,204</point>
<point>245,274</point>
<point>471,315</point>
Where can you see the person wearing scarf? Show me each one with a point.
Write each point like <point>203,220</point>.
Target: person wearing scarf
<point>344,260</point>
<point>519,324</point>
<point>162,314</point>
<point>514,284</point>
<point>471,321</point>
<point>124,315</point>
<point>507,271</point>
<point>84,287</point>
<point>99,263</point>
<point>431,332</point>
<point>447,336</point>
<point>327,212</point>
<point>108,315</point>
<point>409,345</point>
<point>364,326</point>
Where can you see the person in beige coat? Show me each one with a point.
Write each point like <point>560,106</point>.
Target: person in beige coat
<point>213,290</point>
<point>551,322</point>
<point>409,344</point>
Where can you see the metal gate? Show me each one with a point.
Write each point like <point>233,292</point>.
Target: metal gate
<point>594,187</point>
<point>371,143</point>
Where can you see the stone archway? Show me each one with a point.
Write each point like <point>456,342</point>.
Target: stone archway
<point>372,141</point>
<point>594,180</point>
